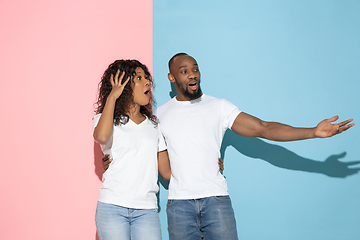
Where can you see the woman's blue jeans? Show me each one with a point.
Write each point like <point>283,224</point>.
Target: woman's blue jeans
<point>210,218</point>
<point>119,223</point>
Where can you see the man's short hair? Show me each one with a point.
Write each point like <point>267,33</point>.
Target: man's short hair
<point>176,55</point>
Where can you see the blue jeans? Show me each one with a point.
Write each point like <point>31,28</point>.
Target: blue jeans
<point>119,223</point>
<point>210,218</point>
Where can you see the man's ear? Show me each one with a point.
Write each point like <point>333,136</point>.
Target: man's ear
<point>171,78</point>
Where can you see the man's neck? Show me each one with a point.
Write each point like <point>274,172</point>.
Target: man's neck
<point>184,98</point>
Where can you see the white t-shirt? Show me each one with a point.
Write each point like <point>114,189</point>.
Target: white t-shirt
<point>193,132</point>
<point>131,179</point>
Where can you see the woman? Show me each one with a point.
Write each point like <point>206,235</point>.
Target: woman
<point>127,131</point>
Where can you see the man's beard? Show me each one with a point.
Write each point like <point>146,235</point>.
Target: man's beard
<point>190,95</point>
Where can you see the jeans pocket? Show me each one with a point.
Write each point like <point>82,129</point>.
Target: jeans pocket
<point>171,202</point>
<point>225,198</point>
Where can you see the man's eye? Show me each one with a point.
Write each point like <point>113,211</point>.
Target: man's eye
<point>183,71</point>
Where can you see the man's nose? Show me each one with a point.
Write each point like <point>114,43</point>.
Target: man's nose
<point>191,74</point>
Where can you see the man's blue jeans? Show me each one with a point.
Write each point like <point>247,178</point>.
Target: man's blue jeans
<point>210,218</point>
<point>120,223</point>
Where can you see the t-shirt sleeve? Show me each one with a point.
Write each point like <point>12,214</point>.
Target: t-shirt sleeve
<point>230,112</point>
<point>162,144</point>
<point>95,122</point>
<point>157,113</point>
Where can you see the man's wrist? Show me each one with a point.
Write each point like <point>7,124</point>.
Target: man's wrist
<point>313,133</point>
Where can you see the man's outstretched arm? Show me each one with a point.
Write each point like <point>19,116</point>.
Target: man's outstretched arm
<point>250,126</point>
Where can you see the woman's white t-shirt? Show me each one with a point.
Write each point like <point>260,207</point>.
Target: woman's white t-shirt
<point>131,179</point>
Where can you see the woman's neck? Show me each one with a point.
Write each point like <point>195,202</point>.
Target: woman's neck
<point>135,114</point>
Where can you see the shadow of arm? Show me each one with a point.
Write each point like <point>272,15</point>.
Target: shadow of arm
<point>283,158</point>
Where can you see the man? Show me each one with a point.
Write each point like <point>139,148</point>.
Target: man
<point>193,125</point>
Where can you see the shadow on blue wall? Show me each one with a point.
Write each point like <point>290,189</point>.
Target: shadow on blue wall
<point>172,93</point>
<point>283,158</point>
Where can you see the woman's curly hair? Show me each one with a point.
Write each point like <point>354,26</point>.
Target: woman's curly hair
<point>126,99</point>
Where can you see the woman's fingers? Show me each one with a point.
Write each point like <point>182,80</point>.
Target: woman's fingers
<point>126,81</point>
<point>112,80</point>
<point>117,77</point>
<point>121,76</point>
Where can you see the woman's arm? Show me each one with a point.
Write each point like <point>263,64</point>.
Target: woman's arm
<point>103,130</point>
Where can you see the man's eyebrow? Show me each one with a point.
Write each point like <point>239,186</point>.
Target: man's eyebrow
<point>186,65</point>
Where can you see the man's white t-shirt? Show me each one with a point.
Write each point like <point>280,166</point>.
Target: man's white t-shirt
<point>193,131</point>
<point>131,179</point>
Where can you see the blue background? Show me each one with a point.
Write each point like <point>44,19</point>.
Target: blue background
<point>295,62</point>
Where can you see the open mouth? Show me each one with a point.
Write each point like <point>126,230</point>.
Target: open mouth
<point>148,92</point>
<point>193,86</point>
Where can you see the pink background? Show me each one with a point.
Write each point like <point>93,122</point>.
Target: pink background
<point>52,55</point>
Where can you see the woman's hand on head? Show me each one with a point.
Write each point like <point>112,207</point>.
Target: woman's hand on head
<point>117,86</point>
